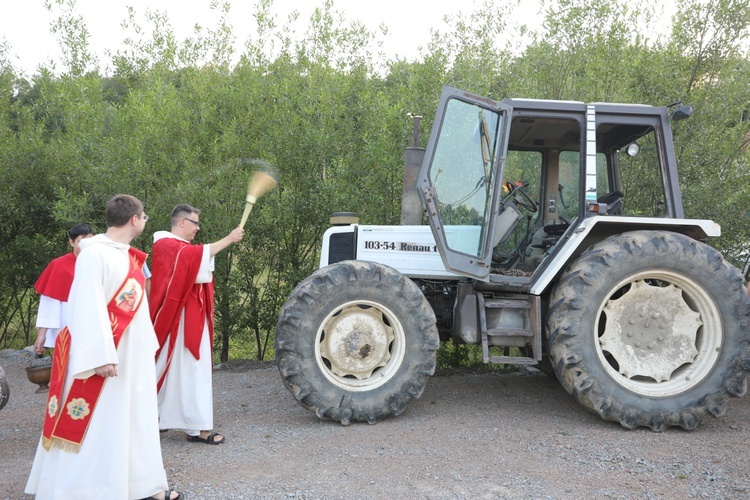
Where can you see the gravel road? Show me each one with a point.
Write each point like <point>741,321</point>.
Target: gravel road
<point>470,435</point>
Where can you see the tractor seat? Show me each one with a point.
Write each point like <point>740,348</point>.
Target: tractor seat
<point>556,229</point>
<point>613,201</point>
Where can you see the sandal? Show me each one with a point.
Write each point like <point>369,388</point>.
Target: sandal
<point>210,439</point>
<point>168,495</point>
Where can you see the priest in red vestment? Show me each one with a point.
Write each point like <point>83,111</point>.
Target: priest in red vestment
<point>182,309</point>
<point>53,286</point>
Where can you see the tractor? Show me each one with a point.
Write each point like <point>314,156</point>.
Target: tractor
<point>556,238</point>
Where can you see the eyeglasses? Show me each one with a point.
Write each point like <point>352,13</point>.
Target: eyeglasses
<point>193,221</point>
<point>144,217</point>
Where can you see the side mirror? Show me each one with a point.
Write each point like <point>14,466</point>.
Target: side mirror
<point>682,112</point>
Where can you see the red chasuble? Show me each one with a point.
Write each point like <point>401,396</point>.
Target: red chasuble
<point>66,422</point>
<point>57,277</point>
<point>174,265</point>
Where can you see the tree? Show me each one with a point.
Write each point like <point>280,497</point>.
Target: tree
<point>185,121</point>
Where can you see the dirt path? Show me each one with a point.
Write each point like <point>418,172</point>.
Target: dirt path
<point>480,435</point>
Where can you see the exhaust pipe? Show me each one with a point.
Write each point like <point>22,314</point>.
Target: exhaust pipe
<point>411,207</point>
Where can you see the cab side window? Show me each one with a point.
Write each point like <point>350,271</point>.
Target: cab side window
<point>641,179</point>
<point>629,170</point>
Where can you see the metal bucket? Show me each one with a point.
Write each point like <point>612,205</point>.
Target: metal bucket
<point>38,372</point>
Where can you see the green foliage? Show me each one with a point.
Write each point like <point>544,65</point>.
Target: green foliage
<point>451,356</point>
<point>183,121</point>
<point>710,50</point>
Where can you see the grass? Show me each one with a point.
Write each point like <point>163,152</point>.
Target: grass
<point>452,356</point>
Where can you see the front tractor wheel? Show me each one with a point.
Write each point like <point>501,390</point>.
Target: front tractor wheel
<point>356,341</point>
<point>648,329</point>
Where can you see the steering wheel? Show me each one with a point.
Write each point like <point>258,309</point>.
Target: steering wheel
<point>520,196</point>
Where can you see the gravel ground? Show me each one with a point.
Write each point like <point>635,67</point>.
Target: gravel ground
<point>471,435</point>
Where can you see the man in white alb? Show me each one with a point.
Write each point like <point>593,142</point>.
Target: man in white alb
<point>101,437</point>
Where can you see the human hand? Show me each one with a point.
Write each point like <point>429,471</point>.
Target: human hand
<point>237,234</point>
<point>109,370</point>
<point>41,337</point>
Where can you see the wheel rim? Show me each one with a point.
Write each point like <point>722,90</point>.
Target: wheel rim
<point>659,333</point>
<point>360,345</point>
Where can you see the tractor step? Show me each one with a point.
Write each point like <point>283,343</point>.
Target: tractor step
<point>511,360</point>
<point>522,319</point>
<point>506,304</point>
<point>509,332</point>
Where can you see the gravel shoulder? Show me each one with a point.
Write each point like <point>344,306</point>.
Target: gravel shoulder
<point>470,435</point>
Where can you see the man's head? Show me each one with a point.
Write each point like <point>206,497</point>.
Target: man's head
<point>77,233</point>
<point>185,221</point>
<point>125,210</point>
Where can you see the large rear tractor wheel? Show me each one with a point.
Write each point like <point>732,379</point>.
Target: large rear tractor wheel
<point>649,329</point>
<point>356,341</point>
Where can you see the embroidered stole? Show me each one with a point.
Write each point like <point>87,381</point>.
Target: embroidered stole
<point>65,425</point>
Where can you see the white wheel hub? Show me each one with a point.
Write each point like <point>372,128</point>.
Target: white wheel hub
<point>360,345</point>
<point>356,342</point>
<point>650,331</point>
<point>661,336</point>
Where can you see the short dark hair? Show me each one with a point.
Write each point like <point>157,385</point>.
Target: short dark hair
<point>79,230</point>
<point>182,210</point>
<point>121,208</point>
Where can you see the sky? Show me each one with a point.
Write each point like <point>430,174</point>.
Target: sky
<point>25,24</point>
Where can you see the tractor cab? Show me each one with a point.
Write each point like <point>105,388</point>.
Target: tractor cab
<point>507,183</point>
